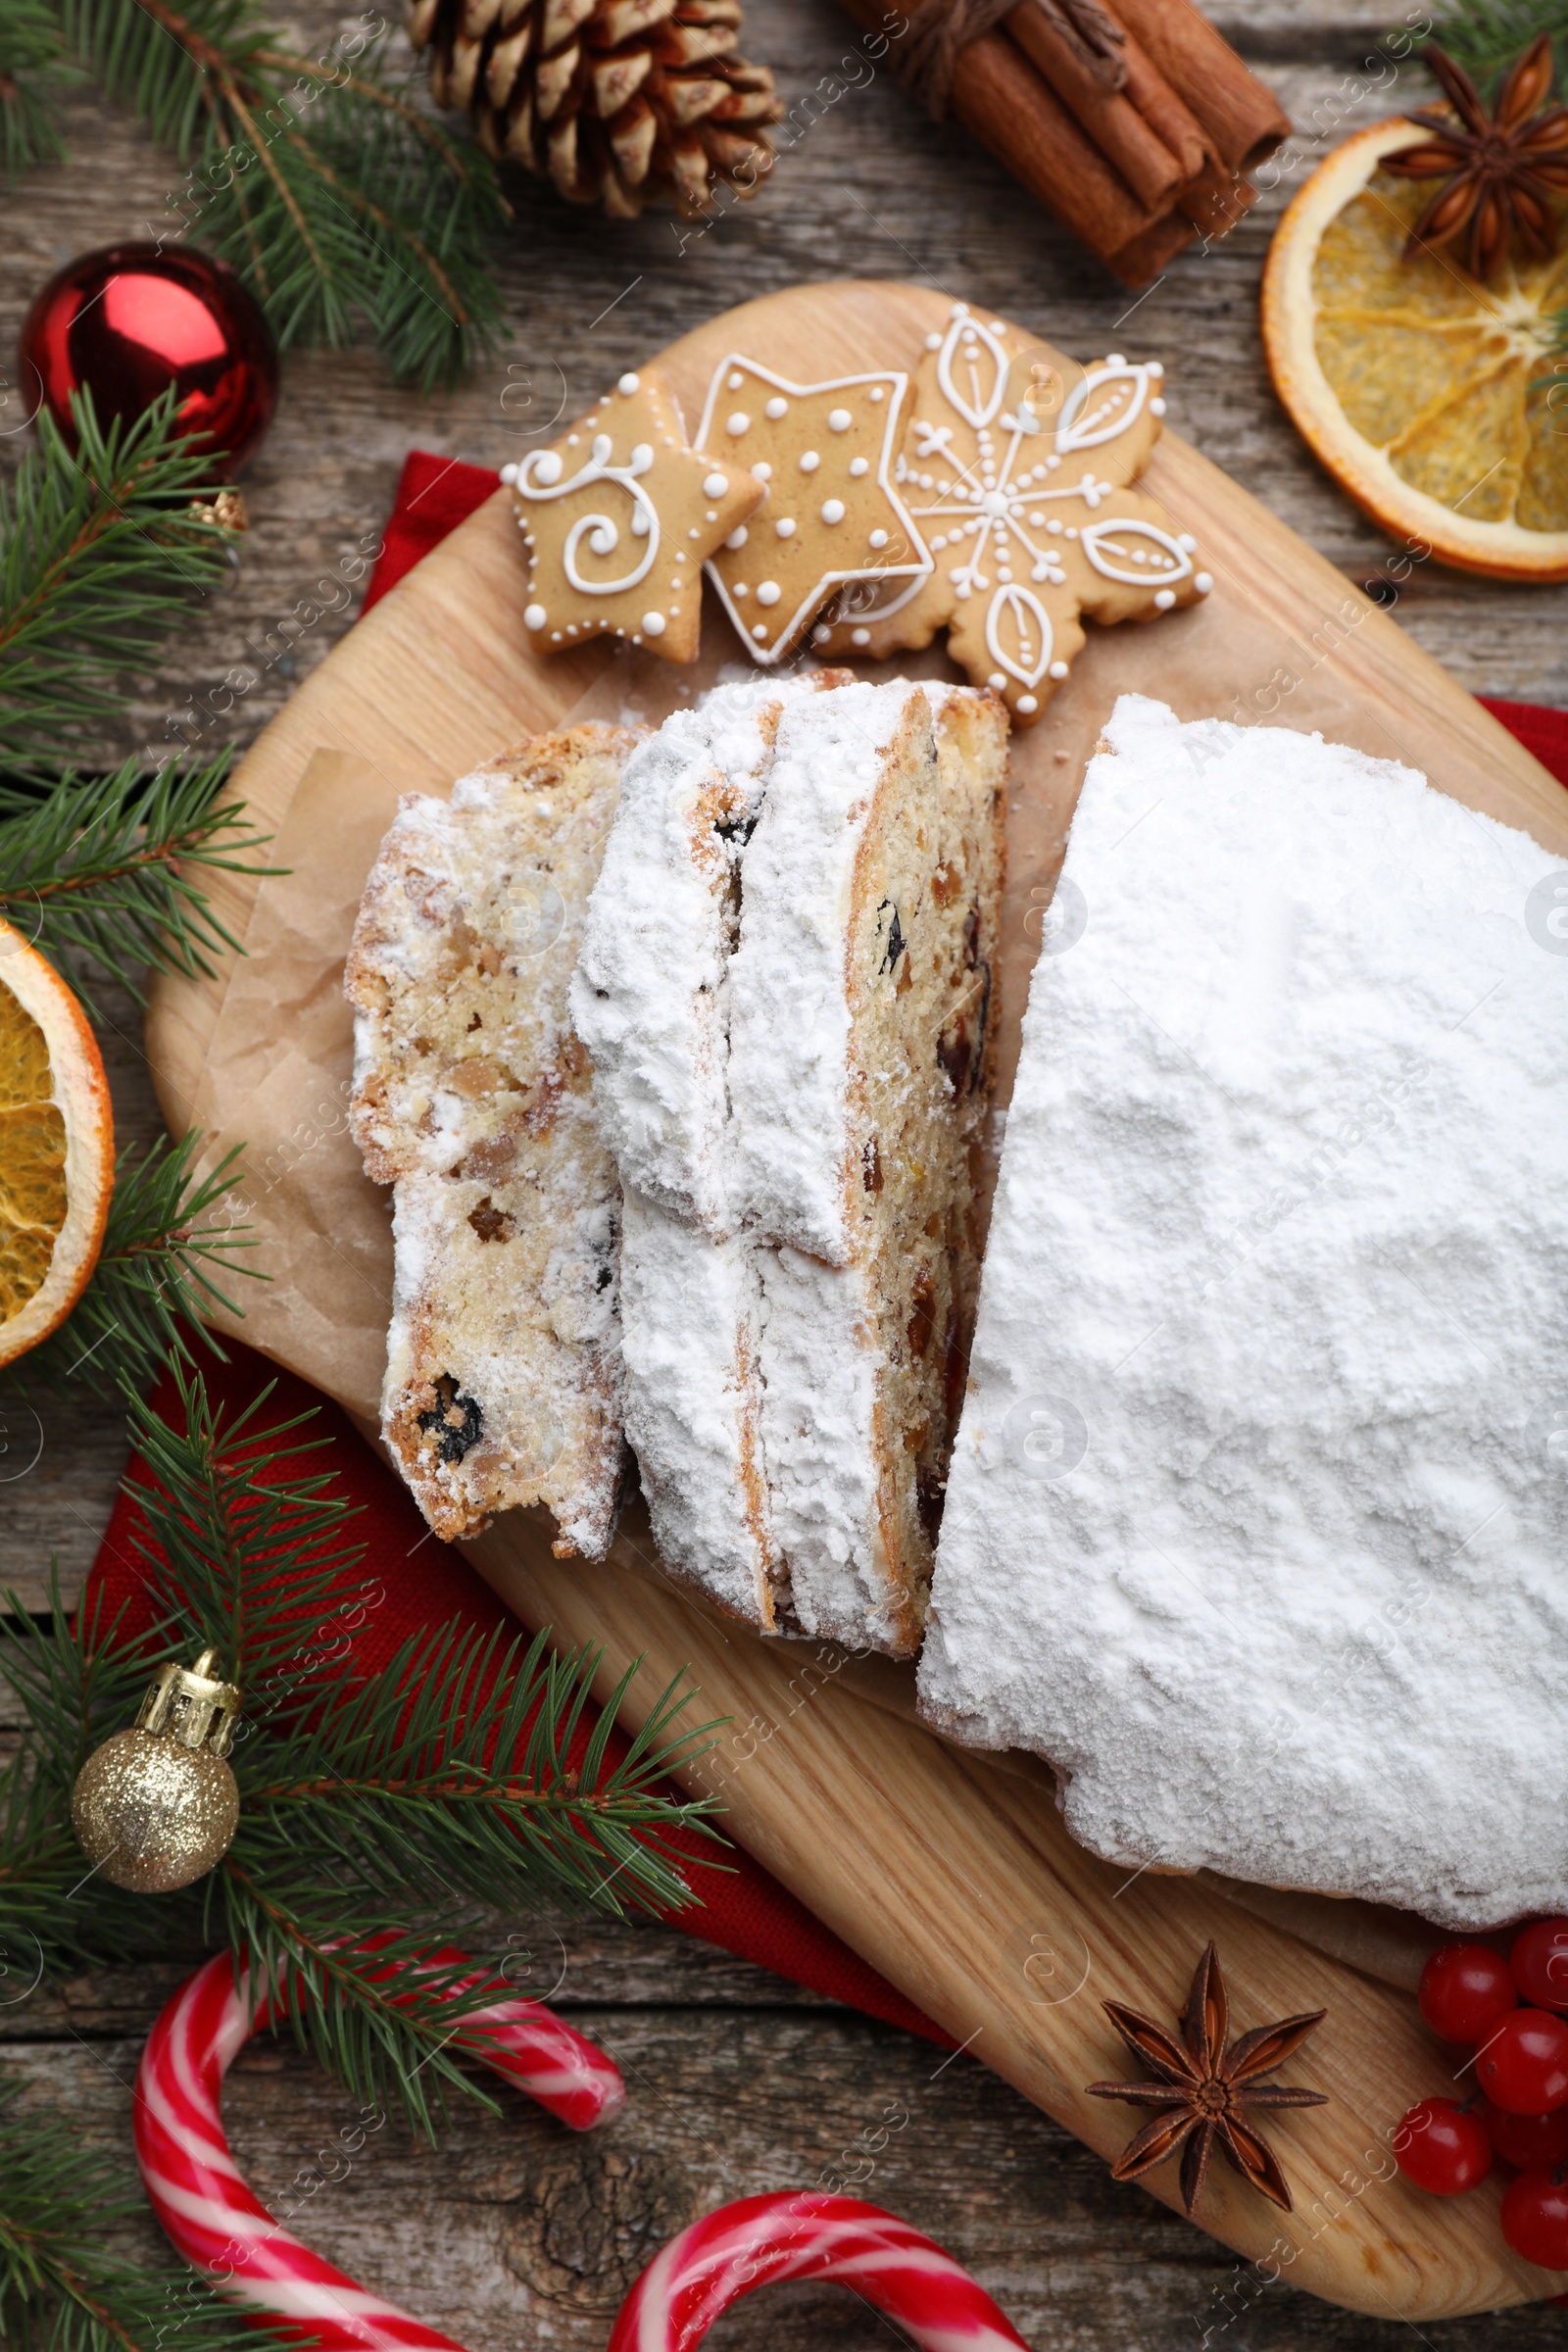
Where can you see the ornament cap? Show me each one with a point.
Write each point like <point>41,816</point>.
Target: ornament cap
<point>192,1704</point>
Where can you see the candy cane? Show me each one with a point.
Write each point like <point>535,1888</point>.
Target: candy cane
<point>808,2236</point>
<point>219,2226</point>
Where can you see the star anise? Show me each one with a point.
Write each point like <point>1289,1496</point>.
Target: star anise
<point>1204,2087</point>
<point>1499,172</point>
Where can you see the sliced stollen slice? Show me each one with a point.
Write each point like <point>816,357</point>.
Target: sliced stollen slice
<point>647,997</point>
<point>791,1419</point>
<point>691,1310</point>
<point>472,1097</point>
<point>1256,1514</point>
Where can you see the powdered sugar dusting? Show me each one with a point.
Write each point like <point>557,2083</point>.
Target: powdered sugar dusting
<point>1255,1526</point>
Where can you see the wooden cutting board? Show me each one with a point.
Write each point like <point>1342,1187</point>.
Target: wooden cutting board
<point>949,1871</point>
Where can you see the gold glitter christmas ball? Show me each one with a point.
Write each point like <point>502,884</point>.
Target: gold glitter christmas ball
<point>157,1806</point>
<point>153,1814</point>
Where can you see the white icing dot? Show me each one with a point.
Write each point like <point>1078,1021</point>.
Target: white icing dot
<point>735,382</point>
<point>1204,582</point>
<point>1114,359</point>
<point>1054,525</point>
<point>859,465</point>
<point>548,466</point>
<point>629,383</point>
<point>534,616</point>
<point>572,441</point>
<point>832,509</point>
<point>933,342</point>
<point>1157,408</point>
<point>1051,463</point>
<point>654,624</point>
<point>776,408</point>
<point>740,589</point>
<point>839,420</point>
<point>939,541</point>
<point>761,471</point>
<point>1070,532</point>
<point>1003,574</point>
<point>1165,598</point>
<point>555,636</point>
<point>716,485</point>
<point>880,392</point>
<point>1059,669</point>
<point>879,538</point>
<point>859,636</point>
<point>737,537</point>
<point>1187,543</point>
<point>785,526</point>
<point>694,533</point>
<point>768,592</point>
<point>810,461</point>
<point>508,474</point>
<point>821,633</point>
<point>736,421</point>
<point>761,630</point>
<point>1026,706</point>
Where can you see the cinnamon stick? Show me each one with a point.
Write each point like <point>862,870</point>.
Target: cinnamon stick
<point>1216,199</point>
<point>998,97</point>
<point>1119,129</point>
<point>1170,116</point>
<point>1240,114</point>
<point>1147,254</point>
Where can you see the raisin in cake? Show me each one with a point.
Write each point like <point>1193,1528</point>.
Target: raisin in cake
<point>792,1416</point>
<point>472,1097</point>
<point>1257,1515</point>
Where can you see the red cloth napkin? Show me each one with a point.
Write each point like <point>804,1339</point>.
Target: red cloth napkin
<point>424,1582</point>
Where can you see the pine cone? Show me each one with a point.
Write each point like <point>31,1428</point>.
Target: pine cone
<point>613,100</point>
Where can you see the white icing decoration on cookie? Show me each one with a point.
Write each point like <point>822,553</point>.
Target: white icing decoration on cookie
<point>839,420</point>
<point>810,461</point>
<point>539,477</point>
<point>1112,549</point>
<point>776,407</point>
<point>833,510</point>
<point>736,422</point>
<point>534,616</point>
<point>629,383</point>
<point>716,485</point>
<point>767,592</point>
<point>653,624</point>
<point>1029,623</point>
<point>1103,406</point>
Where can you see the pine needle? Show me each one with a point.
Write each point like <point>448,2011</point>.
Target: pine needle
<point>342,203</point>
<point>167,1249</point>
<point>60,2289</point>
<point>100,551</point>
<point>1486,35</point>
<point>32,72</point>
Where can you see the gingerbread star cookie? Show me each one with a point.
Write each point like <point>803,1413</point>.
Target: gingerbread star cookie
<point>823,454</point>
<point>1018,481</point>
<point>619,518</point>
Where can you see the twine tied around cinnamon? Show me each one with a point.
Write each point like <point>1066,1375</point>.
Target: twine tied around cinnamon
<point>940,29</point>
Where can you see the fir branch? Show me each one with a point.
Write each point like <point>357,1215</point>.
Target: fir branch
<point>1486,37</point>
<point>61,2291</point>
<point>100,551</point>
<point>158,1274</point>
<point>32,71</point>
<point>105,866</point>
<point>336,198</point>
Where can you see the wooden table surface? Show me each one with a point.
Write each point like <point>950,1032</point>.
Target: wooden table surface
<point>513,2234</point>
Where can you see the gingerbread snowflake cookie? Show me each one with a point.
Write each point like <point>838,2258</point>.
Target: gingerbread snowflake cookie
<point>1019,486</point>
<point>619,515</point>
<point>824,456</point>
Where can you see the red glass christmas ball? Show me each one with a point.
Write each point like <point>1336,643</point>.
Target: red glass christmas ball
<point>128,321</point>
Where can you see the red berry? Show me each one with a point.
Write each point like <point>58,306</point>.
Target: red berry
<point>1465,1988</point>
<point>1443,2148</point>
<point>1523,2066</point>
<point>1535,2219</point>
<point>1531,2141</point>
<point>1539,1960</point>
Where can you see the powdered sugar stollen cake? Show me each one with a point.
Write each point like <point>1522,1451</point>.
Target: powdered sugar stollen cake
<point>791,1417</point>
<point>1254,1527</point>
<point>472,1097</point>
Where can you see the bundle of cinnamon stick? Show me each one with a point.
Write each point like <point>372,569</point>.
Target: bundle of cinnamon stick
<point>1135,120</point>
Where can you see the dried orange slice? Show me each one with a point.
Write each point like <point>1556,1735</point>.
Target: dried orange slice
<point>56,1148</point>
<point>1430,397</point>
